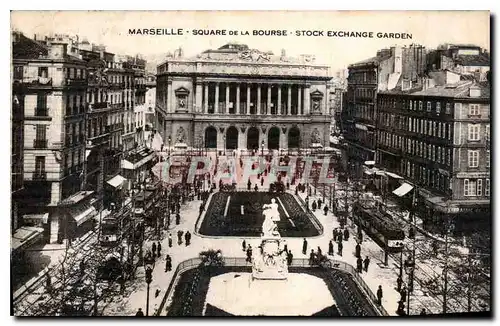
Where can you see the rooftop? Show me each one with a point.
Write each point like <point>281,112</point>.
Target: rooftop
<point>457,90</point>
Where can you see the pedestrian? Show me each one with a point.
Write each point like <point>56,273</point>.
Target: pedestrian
<point>285,248</point>
<point>403,293</point>
<point>201,209</point>
<point>399,282</point>
<point>290,257</point>
<point>249,253</point>
<point>360,235</point>
<point>262,181</point>
<point>330,248</point>
<point>320,202</point>
<point>340,237</point>
<point>179,237</point>
<point>287,185</point>
<point>177,219</point>
<point>423,312</point>
<point>335,234</point>
<point>244,245</point>
<point>435,247</point>
<point>154,249</point>
<point>249,184</point>
<point>157,293</point>
<point>341,247</point>
<point>357,254</point>
<point>304,246</point>
<point>401,308</point>
<point>82,267</point>
<point>170,240</point>
<point>296,191</point>
<point>256,188</point>
<point>139,313</point>
<point>320,252</point>
<point>325,210</point>
<point>312,257</point>
<point>411,233</point>
<point>359,265</point>
<point>379,295</point>
<point>168,264</point>
<point>314,206</point>
<point>346,234</point>
<point>48,283</point>
<point>188,238</point>
<point>366,262</point>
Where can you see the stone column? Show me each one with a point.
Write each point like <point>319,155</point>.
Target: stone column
<point>170,107</point>
<point>268,99</point>
<point>205,104</point>
<point>307,100</point>
<point>326,107</point>
<point>279,100</point>
<point>238,98</point>
<point>248,99</point>
<point>299,100</point>
<point>227,97</point>
<point>289,103</point>
<point>216,104</point>
<point>258,99</point>
<point>199,87</point>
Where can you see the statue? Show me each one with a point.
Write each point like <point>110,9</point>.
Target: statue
<point>180,135</point>
<point>271,216</point>
<point>315,137</point>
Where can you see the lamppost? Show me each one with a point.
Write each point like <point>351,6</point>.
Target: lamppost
<point>262,147</point>
<point>149,279</point>
<point>224,137</point>
<point>169,141</point>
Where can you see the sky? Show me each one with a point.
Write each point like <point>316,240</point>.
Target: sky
<point>428,28</point>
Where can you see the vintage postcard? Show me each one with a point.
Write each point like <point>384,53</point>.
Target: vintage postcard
<point>246,163</point>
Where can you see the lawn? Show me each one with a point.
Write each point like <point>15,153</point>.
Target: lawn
<point>191,291</point>
<point>249,221</point>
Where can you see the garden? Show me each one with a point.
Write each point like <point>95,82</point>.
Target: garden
<point>244,216</point>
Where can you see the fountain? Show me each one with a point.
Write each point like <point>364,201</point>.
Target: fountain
<point>269,263</point>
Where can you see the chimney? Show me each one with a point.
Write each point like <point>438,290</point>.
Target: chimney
<point>57,50</point>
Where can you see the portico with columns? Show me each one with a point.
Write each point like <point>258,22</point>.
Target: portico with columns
<point>234,100</point>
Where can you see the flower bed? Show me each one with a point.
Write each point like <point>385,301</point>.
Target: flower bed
<point>250,222</point>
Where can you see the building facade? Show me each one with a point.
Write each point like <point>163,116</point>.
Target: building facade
<point>385,71</point>
<point>236,97</point>
<point>437,140</point>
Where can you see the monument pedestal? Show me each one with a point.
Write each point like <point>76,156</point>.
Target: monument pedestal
<point>269,263</point>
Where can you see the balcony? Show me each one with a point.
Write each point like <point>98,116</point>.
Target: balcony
<point>76,82</point>
<point>98,106</point>
<point>40,143</point>
<point>39,175</point>
<point>35,81</point>
<point>42,112</point>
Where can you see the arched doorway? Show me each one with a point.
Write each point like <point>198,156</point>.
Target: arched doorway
<point>210,137</point>
<point>253,138</point>
<point>294,138</point>
<point>232,138</point>
<point>273,138</point>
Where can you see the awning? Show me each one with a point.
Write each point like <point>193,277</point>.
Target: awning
<point>403,190</point>
<point>127,165</point>
<point>368,172</point>
<point>361,127</point>
<point>116,181</point>
<point>36,219</point>
<point>86,215</point>
<point>369,162</point>
<point>393,175</point>
<point>25,236</point>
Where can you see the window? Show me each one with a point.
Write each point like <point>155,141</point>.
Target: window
<point>487,188</point>
<point>411,106</point>
<point>429,107</point>
<point>43,72</point>
<point>448,108</point>
<point>439,154</point>
<point>438,107</point>
<point>479,187</point>
<point>487,158</point>
<point>469,187</point>
<point>439,129</point>
<point>39,164</point>
<point>448,156</point>
<point>487,132</point>
<point>18,72</point>
<point>420,105</point>
<point>41,133</point>
<point>41,101</point>
<point>473,109</point>
<point>473,159</point>
<point>474,132</point>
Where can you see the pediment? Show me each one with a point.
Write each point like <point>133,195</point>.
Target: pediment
<point>181,91</point>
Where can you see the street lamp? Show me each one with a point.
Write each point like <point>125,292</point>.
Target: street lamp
<point>149,279</point>
<point>224,145</point>
<point>169,141</point>
<point>262,146</point>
